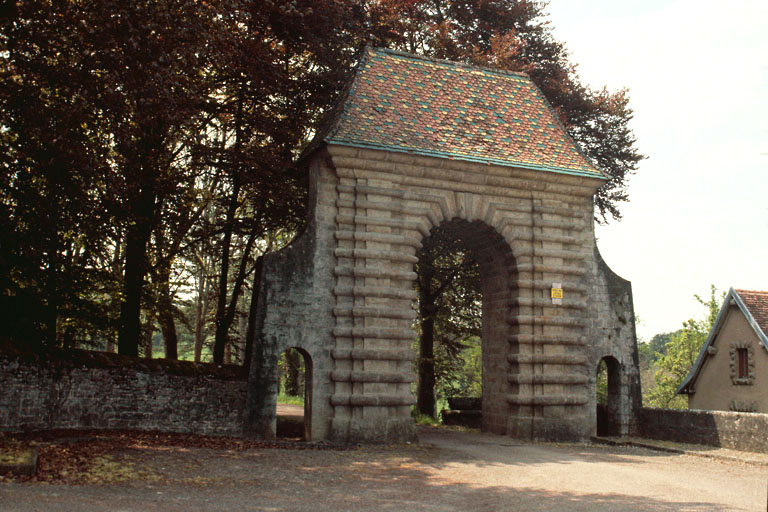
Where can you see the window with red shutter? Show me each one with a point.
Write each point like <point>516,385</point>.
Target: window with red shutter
<point>743,356</point>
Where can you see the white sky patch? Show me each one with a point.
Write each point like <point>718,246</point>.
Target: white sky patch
<point>697,71</point>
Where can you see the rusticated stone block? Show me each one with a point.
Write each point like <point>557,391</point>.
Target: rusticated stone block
<point>343,293</point>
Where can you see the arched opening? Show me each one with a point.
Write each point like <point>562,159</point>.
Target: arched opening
<point>463,287</point>
<point>294,398</point>
<point>608,397</point>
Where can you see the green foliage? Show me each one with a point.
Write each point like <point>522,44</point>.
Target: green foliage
<point>680,353</point>
<point>449,320</point>
<point>648,353</point>
<point>459,373</point>
<point>291,372</point>
<point>601,383</point>
<point>137,135</point>
<point>282,398</point>
<point>424,419</point>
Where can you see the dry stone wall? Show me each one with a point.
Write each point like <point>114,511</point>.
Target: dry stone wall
<point>344,293</point>
<point>736,430</point>
<point>82,390</point>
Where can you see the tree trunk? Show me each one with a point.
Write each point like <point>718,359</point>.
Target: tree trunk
<point>110,344</point>
<point>292,366</point>
<point>223,318</point>
<point>149,332</point>
<point>242,332</point>
<point>168,328</point>
<point>227,354</point>
<point>222,327</point>
<point>199,323</point>
<point>425,399</point>
<point>252,311</point>
<point>139,230</point>
<point>165,312</point>
<point>201,305</point>
<point>133,283</point>
<point>237,288</point>
<point>52,296</point>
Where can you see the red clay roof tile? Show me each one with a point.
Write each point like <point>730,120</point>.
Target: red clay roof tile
<point>403,102</point>
<point>757,304</point>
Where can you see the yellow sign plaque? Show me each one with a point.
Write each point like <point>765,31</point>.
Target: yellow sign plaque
<point>557,293</point>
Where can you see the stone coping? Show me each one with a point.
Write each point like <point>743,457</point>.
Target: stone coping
<point>696,450</point>
<point>77,358</point>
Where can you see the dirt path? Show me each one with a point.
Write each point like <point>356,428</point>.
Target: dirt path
<point>290,410</point>
<point>447,471</point>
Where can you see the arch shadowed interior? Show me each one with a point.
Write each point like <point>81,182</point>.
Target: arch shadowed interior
<point>487,269</point>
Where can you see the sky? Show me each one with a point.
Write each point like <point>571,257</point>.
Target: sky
<point>697,74</point>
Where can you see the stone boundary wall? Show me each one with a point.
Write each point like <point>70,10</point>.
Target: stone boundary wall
<point>81,389</point>
<point>735,430</point>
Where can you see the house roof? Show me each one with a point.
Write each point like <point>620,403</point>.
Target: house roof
<point>757,304</point>
<point>754,306</point>
<point>408,103</point>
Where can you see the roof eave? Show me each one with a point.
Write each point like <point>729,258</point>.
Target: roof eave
<point>596,174</point>
<point>687,384</point>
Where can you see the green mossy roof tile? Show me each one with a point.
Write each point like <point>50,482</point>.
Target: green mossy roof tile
<point>403,102</point>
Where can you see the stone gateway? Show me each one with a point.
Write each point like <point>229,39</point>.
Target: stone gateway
<point>415,144</point>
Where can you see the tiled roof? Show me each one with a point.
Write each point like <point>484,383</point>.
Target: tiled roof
<point>757,304</point>
<point>403,102</point>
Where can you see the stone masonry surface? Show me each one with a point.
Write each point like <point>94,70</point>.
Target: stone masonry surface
<point>343,293</point>
<point>107,391</point>
<point>735,430</point>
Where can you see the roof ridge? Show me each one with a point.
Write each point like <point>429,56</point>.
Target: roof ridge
<point>450,63</point>
<point>740,290</point>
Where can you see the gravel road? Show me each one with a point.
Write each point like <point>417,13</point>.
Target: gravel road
<point>448,470</point>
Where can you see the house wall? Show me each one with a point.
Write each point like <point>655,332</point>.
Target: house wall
<point>714,389</point>
<point>343,292</point>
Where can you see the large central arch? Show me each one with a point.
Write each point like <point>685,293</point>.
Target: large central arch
<point>540,239</point>
<point>498,288</point>
<point>343,290</point>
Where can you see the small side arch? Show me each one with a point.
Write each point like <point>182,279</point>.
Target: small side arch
<point>289,423</point>
<point>608,397</point>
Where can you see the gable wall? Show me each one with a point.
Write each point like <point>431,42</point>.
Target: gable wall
<point>714,389</point>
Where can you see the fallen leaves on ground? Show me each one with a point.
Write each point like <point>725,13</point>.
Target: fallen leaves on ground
<point>78,457</point>
<point>13,451</point>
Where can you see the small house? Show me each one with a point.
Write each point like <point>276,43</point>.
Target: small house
<point>731,372</point>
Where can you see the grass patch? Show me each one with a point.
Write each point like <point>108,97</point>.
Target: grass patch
<point>424,419</point>
<point>290,400</point>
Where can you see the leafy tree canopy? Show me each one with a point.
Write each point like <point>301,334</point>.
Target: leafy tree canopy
<point>146,145</point>
<point>680,354</point>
